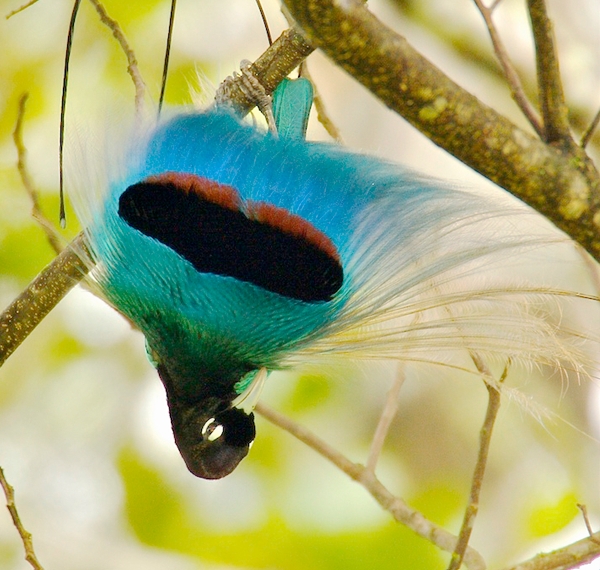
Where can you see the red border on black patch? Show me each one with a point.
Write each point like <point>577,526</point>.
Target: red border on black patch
<point>287,222</point>
<point>221,194</point>
<point>204,222</point>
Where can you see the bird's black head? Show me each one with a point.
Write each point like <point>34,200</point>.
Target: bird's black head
<point>212,436</point>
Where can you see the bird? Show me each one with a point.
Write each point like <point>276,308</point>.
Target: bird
<point>237,252</point>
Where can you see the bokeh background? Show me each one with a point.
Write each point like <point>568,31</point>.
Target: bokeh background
<point>84,431</point>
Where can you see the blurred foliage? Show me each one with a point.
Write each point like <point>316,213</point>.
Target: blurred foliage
<point>159,517</point>
<point>549,519</point>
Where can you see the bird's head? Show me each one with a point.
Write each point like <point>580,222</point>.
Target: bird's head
<point>213,433</point>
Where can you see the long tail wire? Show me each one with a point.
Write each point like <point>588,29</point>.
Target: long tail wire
<point>63,108</point>
<point>163,85</point>
<point>63,104</point>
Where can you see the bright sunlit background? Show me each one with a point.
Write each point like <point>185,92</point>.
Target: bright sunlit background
<point>85,437</point>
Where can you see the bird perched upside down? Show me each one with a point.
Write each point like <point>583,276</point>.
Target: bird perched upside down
<point>237,253</point>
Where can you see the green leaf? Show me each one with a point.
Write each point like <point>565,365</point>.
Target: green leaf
<point>552,517</point>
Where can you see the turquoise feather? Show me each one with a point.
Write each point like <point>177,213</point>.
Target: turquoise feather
<point>292,102</point>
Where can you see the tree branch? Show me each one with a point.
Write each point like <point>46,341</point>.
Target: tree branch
<point>510,73</point>
<point>589,132</point>
<point>586,519</point>
<point>385,421</point>
<point>485,439</point>
<point>563,187</point>
<point>395,506</point>
<point>52,235</point>
<point>552,99</point>
<point>566,558</point>
<point>25,535</point>
<point>20,9</point>
<point>132,65</point>
<point>42,295</point>
<point>288,51</point>
<point>319,104</point>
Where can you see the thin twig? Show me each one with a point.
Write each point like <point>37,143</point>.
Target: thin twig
<point>552,100</point>
<point>485,438</point>
<point>385,421</point>
<point>132,65</point>
<point>510,73</point>
<point>394,505</point>
<point>589,133</point>
<point>21,8</point>
<point>322,113</point>
<point>586,519</point>
<point>53,236</point>
<point>9,493</point>
<point>132,69</point>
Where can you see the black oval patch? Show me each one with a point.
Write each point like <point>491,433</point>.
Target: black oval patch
<point>207,228</point>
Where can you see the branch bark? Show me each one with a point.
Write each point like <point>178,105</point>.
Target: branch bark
<point>552,98</point>
<point>25,535</point>
<point>20,318</point>
<point>567,558</point>
<point>563,186</point>
<point>287,52</point>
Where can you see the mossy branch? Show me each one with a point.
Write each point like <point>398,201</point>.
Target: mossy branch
<point>27,311</point>
<point>563,185</point>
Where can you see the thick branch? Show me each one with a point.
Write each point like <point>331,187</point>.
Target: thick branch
<point>288,51</point>
<point>564,188</point>
<point>42,295</point>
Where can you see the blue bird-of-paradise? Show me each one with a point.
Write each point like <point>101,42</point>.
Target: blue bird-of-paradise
<point>237,252</point>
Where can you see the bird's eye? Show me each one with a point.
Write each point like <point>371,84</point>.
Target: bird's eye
<point>212,430</point>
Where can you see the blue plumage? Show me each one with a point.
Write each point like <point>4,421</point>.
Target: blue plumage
<point>408,248</point>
